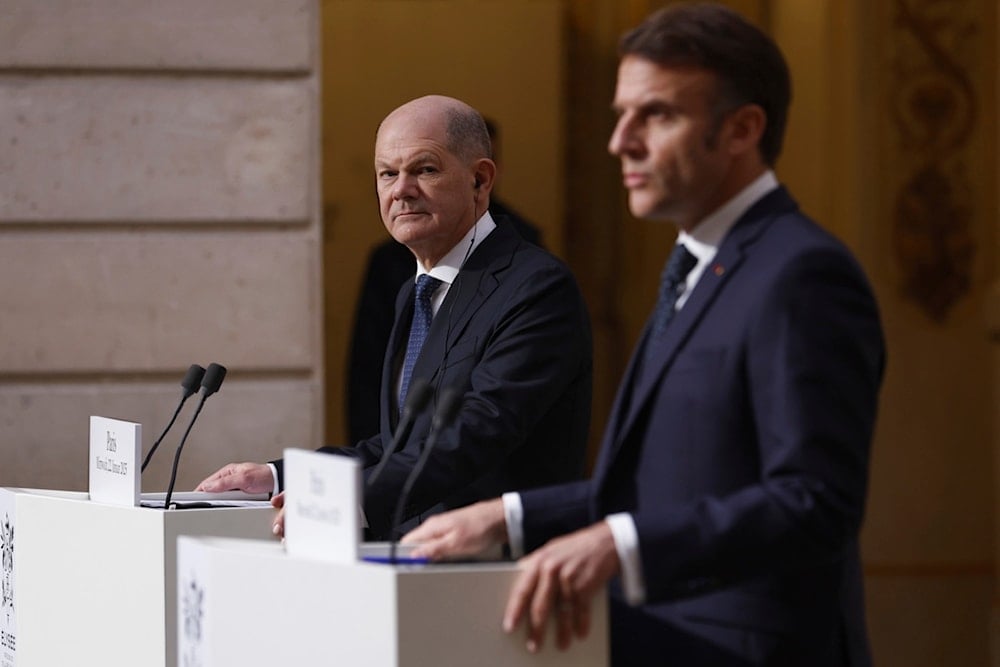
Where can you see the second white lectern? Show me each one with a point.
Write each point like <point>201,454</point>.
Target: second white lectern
<point>248,603</point>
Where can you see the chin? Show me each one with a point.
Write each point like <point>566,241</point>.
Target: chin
<point>642,206</point>
<point>409,231</point>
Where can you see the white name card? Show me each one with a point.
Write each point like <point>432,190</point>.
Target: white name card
<point>322,501</point>
<point>115,447</point>
<point>8,599</point>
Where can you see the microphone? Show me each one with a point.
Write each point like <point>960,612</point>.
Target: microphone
<point>189,385</point>
<point>447,409</point>
<point>210,384</point>
<point>417,398</point>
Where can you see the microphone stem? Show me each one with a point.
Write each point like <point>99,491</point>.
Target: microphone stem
<point>156,444</point>
<point>404,494</point>
<point>177,454</point>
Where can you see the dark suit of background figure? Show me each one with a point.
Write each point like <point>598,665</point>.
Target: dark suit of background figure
<point>389,266</point>
<point>513,333</point>
<point>741,451</point>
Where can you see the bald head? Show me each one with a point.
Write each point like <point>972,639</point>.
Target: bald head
<point>462,127</point>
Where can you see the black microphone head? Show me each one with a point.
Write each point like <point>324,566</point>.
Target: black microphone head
<point>417,397</point>
<point>191,380</point>
<point>213,379</point>
<point>447,408</point>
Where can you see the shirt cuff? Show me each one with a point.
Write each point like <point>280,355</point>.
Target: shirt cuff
<point>627,545</point>
<point>513,514</point>
<point>274,476</point>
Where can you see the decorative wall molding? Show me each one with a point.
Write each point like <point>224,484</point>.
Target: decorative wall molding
<point>934,113</point>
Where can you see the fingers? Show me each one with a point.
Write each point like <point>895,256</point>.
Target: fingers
<point>448,543</point>
<point>520,596</point>
<point>540,594</point>
<point>278,527</point>
<point>211,483</point>
<point>559,581</point>
<point>542,602</point>
<point>248,477</point>
<point>574,603</point>
<point>425,532</point>
<point>430,537</point>
<point>470,531</point>
<point>565,622</point>
<point>222,479</point>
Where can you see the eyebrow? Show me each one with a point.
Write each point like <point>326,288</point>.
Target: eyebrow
<point>420,158</point>
<point>646,106</point>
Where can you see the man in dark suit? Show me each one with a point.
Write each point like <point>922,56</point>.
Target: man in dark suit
<point>505,326</point>
<point>390,264</point>
<point>725,506</point>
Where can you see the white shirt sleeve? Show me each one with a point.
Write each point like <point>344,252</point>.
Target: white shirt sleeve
<point>513,514</point>
<point>627,545</point>
<point>274,476</point>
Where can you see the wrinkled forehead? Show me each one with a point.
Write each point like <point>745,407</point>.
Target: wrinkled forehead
<point>411,126</point>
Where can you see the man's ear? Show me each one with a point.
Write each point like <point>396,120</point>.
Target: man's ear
<point>745,127</point>
<point>484,175</point>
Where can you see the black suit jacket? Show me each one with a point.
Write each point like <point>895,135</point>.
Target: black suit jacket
<point>740,447</point>
<point>389,266</point>
<point>514,336</point>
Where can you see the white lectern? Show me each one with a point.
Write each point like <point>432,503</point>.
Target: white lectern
<point>95,584</point>
<point>247,603</point>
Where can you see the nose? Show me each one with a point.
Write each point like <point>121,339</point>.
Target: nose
<point>623,138</point>
<point>405,186</point>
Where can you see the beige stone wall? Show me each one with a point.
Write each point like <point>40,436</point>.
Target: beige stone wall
<point>159,206</point>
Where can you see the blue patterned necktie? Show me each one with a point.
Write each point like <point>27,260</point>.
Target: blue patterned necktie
<point>422,315</point>
<point>672,285</point>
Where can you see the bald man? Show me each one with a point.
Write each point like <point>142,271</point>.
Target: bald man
<point>507,328</point>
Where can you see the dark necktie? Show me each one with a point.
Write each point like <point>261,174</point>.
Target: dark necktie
<point>422,315</point>
<point>672,279</point>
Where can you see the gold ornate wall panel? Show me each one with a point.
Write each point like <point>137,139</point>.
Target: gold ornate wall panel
<point>938,54</point>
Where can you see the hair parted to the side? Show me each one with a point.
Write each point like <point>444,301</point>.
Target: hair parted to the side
<point>747,63</point>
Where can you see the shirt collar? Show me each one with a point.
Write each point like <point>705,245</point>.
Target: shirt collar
<point>451,263</point>
<point>706,237</point>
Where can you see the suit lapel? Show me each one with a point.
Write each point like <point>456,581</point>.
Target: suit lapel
<point>397,342</point>
<point>475,282</point>
<point>723,268</point>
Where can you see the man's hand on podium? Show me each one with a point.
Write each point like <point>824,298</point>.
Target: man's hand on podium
<point>561,578</point>
<point>467,532</point>
<point>248,477</point>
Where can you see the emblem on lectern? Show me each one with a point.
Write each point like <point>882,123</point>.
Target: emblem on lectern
<point>7,547</point>
<point>193,611</point>
<point>193,597</point>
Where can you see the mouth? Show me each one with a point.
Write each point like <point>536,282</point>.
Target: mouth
<point>634,179</point>
<point>404,215</point>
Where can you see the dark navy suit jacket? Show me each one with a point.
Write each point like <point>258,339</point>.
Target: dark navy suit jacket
<point>514,336</point>
<point>389,266</point>
<point>741,446</point>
